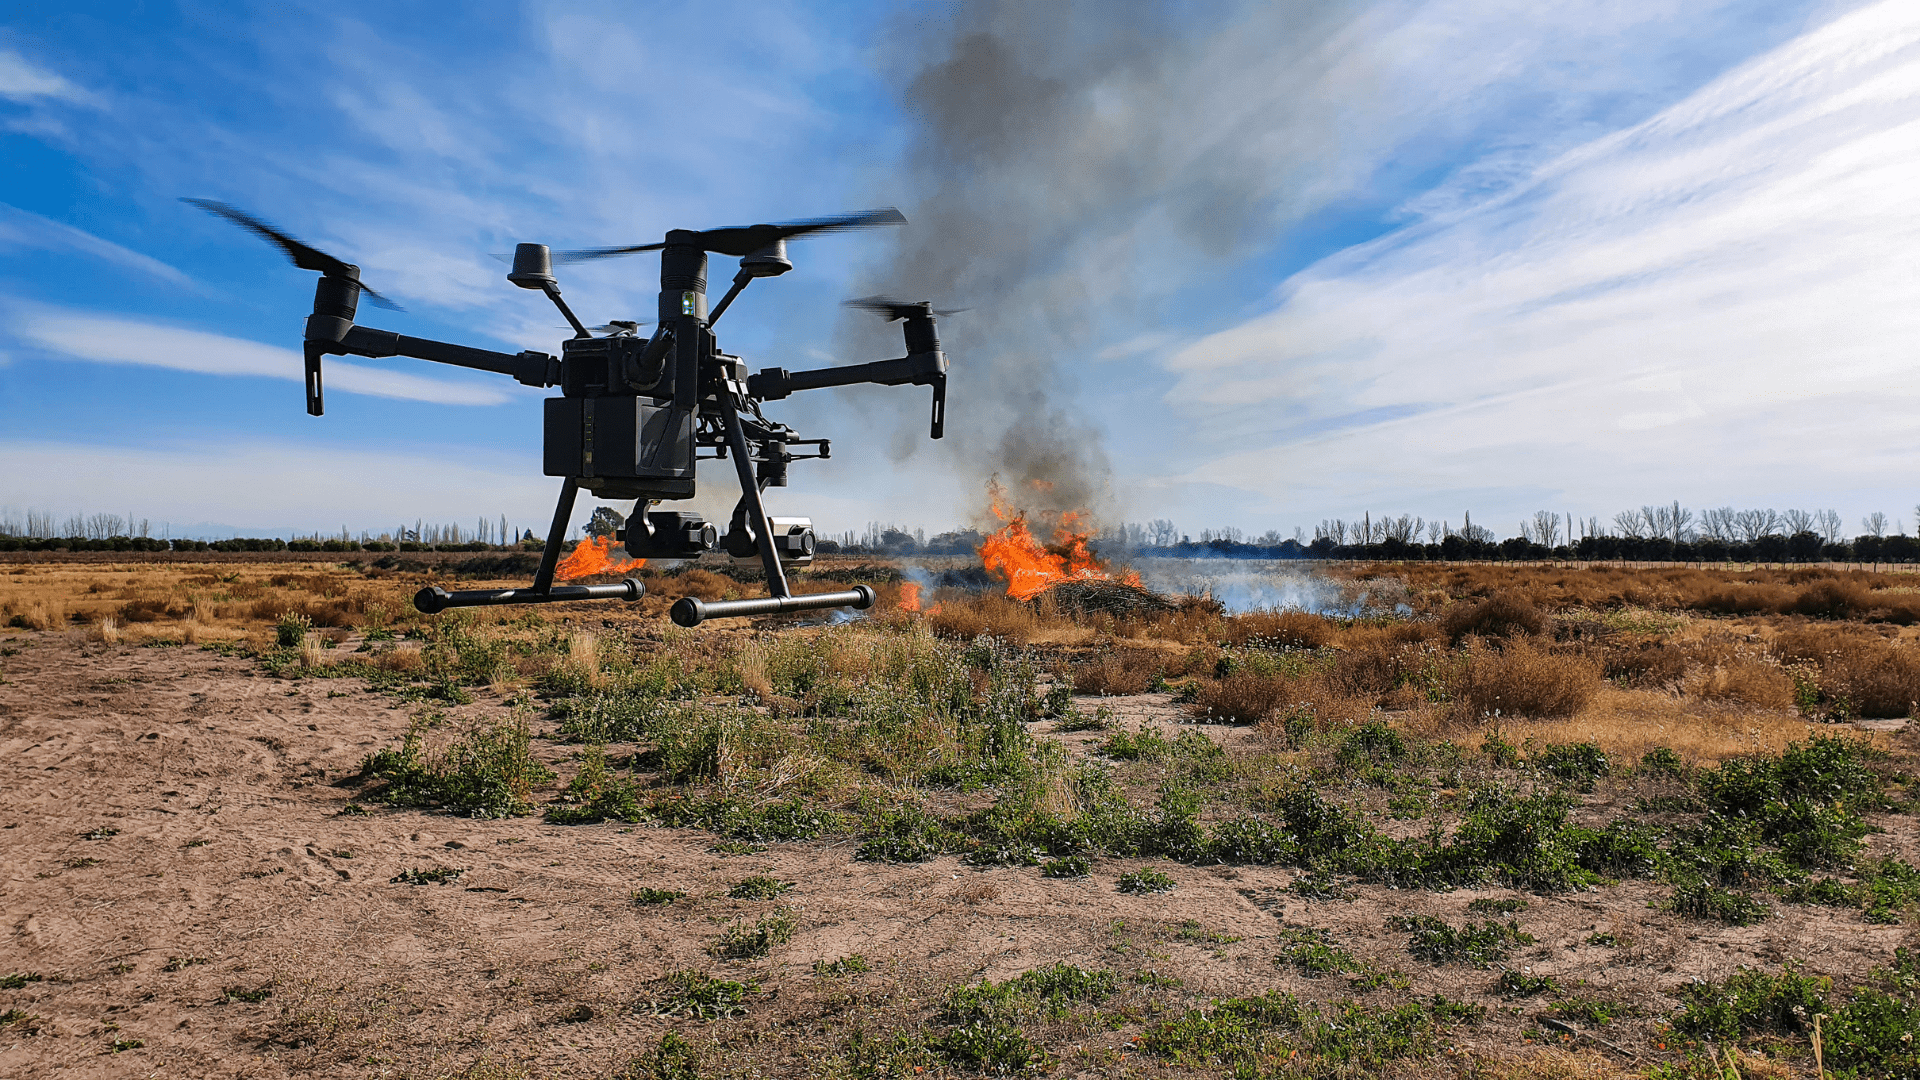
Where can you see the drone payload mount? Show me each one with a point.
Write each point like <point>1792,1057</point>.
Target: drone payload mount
<point>636,413</point>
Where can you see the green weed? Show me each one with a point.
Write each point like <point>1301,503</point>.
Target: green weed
<point>742,942</point>
<point>1437,942</point>
<point>701,996</point>
<point>654,897</point>
<point>1701,899</point>
<point>1145,881</point>
<point>759,887</point>
<point>595,794</point>
<point>1073,866</point>
<point>855,964</point>
<point>1313,953</point>
<point>489,772</point>
<point>1520,984</point>
<point>991,1048</point>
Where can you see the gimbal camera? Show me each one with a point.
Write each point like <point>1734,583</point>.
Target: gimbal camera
<point>636,413</point>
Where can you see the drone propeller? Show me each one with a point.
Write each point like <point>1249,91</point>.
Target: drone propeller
<point>892,310</point>
<point>615,326</point>
<point>743,240</point>
<point>304,257</point>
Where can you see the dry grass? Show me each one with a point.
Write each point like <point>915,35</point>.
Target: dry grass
<point>1121,671</point>
<point>1245,698</point>
<point>1742,680</point>
<point>1628,723</point>
<point>1504,614</point>
<point>1525,680</point>
<point>1816,591</point>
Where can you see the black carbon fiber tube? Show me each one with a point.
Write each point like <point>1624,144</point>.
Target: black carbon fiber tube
<point>692,611</point>
<point>434,599</point>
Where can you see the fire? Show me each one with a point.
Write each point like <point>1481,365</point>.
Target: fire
<point>594,556</point>
<point>909,596</point>
<point>1030,567</point>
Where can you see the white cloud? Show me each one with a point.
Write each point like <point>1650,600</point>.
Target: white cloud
<point>1717,303</point>
<point>314,487</point>
<point>21,229</point>
<point>22,80</point>
<point>125,341</point>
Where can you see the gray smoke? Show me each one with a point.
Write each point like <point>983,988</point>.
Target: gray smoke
<point>1071,166</point>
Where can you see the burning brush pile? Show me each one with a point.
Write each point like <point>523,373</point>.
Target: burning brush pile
<point>1064,570</point>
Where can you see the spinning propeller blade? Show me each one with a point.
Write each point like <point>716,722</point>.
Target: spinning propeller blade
<point>304,257</point>
<point>891,309</point>
<point>743,240</point>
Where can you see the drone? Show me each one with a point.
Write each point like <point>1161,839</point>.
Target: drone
<point>635,413</point>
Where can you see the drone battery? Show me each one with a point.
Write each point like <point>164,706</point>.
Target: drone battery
<point>620,447</point>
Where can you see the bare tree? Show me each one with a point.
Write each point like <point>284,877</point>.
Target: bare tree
<point>1405,528</point>
<point>1630,524</point>
<point>1436,531</point>
<point>1546,528</point>
<point>1827,524</point>
<point>1719,524</point>
<point>1796,522</point>
<point>1477,533</point>
<point>1754,524</point>
<point>1668,522</point>
<point>1875,524</point>
<point>1333,529</point>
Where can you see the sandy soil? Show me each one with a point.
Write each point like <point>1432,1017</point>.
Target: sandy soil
<point>230,867</point>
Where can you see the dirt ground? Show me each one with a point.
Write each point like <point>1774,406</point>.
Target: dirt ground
<point>175,843</point>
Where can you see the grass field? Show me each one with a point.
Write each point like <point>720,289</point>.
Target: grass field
<point>1484,821</point>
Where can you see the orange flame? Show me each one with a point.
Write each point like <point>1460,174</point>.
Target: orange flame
<point>594,556</point>
<point>1029,567</point>
<point>909,596</point>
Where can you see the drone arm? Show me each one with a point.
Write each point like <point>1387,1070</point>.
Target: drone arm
<point>919,369</point>
<point>531,368</point>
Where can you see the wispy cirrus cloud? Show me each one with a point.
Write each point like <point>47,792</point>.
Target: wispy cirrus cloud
<point>102,339</point>
<point>23,229</point>
<point>1717,303</point>
<point>23,80</point>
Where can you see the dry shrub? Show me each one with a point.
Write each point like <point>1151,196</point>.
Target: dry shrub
<point>1504,614</point>
<point>1649,663</point>
<point>1379,660</point>
<point>400,661</point>
<point>1120,672</point>
<point>1743,679</point>
<point>704,584</point>
<point>1525,680</point>
<point>1871,676</point>
<point>41,616</point>
<point>312,654</point>
<point>1245,698</point>
<point>340,611</point>
<point>1843,599</point>
<point>151,610</point>
<point>987,613</point>
<point>1283,629</point>
<point>106,631</point>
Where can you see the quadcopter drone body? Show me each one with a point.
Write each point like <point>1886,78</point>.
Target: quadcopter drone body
<point>635,414</point>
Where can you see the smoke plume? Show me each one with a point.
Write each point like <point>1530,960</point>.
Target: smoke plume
<point>1068,164</point>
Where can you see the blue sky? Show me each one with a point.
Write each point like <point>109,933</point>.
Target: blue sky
<point>1261,264</point>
